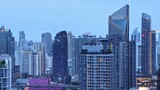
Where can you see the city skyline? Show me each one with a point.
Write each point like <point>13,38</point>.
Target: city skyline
<point>79,56</point>
<point>76,16</point>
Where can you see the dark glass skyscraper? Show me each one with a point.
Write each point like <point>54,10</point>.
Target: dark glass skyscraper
<point>47,41</point>
<point>7,45</point>
<point>148,46</point>
<point>60,57</point>
<point>119,23</point>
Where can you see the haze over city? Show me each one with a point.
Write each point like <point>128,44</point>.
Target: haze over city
<point>79,16</point>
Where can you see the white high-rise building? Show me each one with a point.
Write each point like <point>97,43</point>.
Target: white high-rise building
<point>5,72</point>
<point>34,64</point>
<point>48,64</point>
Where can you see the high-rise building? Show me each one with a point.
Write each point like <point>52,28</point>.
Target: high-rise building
<point>119,23</point>
<point>78,43</point>
<point>60,57</point>
<point>22,43</point>
<point>136,38</point>
<point>34,65</point>
<point>22,60</point>
<point>123,50</point>
<point>148,46</point>
<point>125,59</point>
<point>70,42</point>
<point>40,50</point>
<point>47,41</point>
<point>96,68</point>
<point>32,60</point>
<point>5,72</point>
<point>7,46</point>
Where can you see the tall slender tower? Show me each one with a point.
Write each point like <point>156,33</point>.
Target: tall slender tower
<point>123,49</point>
<point>60,57</point>
<point>148,46</point>
<point>47,41</point>
<point>22,44</point>
<point>7,46</point>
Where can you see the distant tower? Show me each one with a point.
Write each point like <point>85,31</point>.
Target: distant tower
<point>40,50</point>
<point>148,46</point>
<point>21,35</point>
<point>22,44</point>
<point>60,57</point>
<point>7,46</point>
<point>47,41</point>
<point>135,35</point>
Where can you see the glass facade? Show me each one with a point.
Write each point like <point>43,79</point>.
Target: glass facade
<point>123,49</point>
<point>119,23</point>
<point>148,46</point>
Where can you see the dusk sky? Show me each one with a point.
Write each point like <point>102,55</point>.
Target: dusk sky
<point>79,16</point>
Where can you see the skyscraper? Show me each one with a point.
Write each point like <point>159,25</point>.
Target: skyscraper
<point>119,23</point>
<point>7,46</point>
<point>22,44</point>
<point>60,57</point>
<point>96,68</point>
<point>123,49</point>
<point>70,54</point>
<point>47,41</point>
<point>148,46</point>
<point>40,50</point>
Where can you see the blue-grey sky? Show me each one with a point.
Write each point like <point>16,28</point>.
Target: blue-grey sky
<point>79,16</point>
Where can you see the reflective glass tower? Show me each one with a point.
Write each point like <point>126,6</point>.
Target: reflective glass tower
<point>119,23</point>
<point>148,46</point>
<point>123,49</point>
